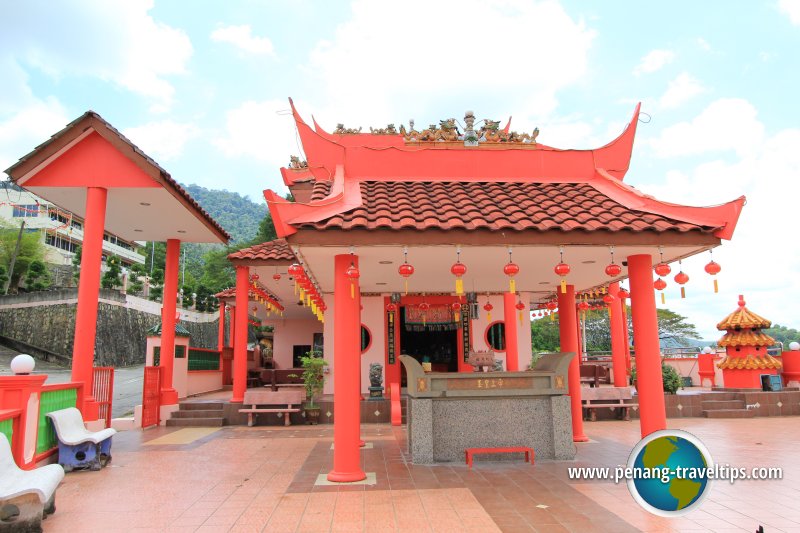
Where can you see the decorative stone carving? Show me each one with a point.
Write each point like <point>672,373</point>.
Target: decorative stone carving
<point>341,130</point>
<point>388,130</point>
<point>375,381</point>
<point>482,361</point>
<point>295,163</point>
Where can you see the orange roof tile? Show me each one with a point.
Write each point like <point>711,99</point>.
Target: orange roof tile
<point>746,337</point>
<point>749,362</point>
<point>510,206</point>
<point>277,250</point>
<point>743,318</point>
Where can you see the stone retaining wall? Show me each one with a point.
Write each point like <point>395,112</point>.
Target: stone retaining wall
<point>46,320</point>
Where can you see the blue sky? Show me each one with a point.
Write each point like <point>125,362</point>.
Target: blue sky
<point>203,86</point>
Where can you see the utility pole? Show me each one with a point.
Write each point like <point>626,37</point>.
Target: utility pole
<point>183,269</point>
<point>14,257</point>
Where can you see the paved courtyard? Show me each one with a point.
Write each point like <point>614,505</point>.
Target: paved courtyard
<point>263,479</point>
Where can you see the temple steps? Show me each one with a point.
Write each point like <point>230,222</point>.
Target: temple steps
<point>198,414</point>
<point>715,405</point>
<point>729,413</point>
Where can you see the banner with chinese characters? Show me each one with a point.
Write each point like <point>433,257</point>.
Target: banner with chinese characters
<point>435,318</point>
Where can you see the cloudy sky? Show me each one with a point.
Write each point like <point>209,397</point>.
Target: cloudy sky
<point>202,87</point>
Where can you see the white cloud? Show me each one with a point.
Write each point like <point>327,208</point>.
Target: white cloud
<point>760,261</point>
<point>162,140</point>
<point>384,59</point>
<point>680,90</point>
<point>703,44</point>
<point>654,61</point>
<point>792,9</point>
<point>726,124</point>
<point>241,37</point>
<point>28,128</point>
<point>255,129</point>
<point>113,41</point>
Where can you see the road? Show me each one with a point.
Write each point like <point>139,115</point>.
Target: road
<point>127,381</point>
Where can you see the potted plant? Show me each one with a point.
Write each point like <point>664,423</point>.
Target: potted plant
<point>313,381</point>
<point>670,378</point>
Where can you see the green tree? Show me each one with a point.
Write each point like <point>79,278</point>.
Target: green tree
<point>157,284</point>
<point>673,325</point>
<point>112,276</point>
<point>38,277</point>
<point>266,230</point>
<point>783,334</point>
<point>3,275</point>
<point>544,335</point>
<point>30,249</point>
<point>76,263</point>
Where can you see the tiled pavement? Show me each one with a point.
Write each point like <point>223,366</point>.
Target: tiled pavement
<point>262,479</point>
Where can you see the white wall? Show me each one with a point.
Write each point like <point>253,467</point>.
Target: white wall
<point>289,333</point>
<point>523,329</point>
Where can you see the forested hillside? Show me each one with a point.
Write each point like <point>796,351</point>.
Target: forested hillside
<point>236,213</point>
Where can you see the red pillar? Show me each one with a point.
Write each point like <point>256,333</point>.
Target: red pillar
<point>346,364</point>
<point>617,338</point>
<point>625,336</point>
<point>169,307</point>
<point>231,326</point>
<point>652,412</point>
<point>512,339</point>
<point>568,333</point>
<point>88,295</point>
<point>240,334</point>
<point>221,335</point>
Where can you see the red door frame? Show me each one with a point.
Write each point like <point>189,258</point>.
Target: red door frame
<point>393,372</point>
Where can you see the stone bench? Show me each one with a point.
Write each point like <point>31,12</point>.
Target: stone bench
<point>619,398</point>
<point>26,496</point>
<point>77,446</point>
<point>254,398</point>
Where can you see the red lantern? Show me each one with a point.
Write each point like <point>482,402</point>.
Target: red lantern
<point>254,277</point>
<point>458,270</point>
<point>405,270</point>
<point>511,270</point>
<point>613,270</point>
<point>424,306</point>
<point>662,269</point>
<point>456,307</point>
<point>391,309</point>
<point>562,269</point>
<point>520,307</point>
<point>713,269</point>
<point>352,274</point>
<point>680,279</point>
<point>623,294</point>
<point>276,276</point>
<point>583,306</point>
<point>551,305</point>
<point>488,308</point>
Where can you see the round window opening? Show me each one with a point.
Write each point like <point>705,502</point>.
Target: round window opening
<point>366,338</point>
<point>496,336</point>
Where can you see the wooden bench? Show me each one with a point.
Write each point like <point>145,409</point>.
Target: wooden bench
<point>618,398</point>
<point>26,496</point>
<point>529,453</point>
<point>254,398</point>
<point>594,374</point>
<point>77,446</point>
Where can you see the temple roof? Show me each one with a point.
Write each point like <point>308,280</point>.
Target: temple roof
<point>368,181</point>
<point>514,206</point>
<point>180,331</point>
<point>743,318</point>
<point>230,294</point>
<point>276,250</point>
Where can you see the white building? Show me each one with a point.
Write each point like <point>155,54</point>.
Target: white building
<point>61,232</point>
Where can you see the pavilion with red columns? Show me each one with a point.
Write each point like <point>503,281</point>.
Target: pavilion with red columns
<point>407,241</point>
<point>92,170</point>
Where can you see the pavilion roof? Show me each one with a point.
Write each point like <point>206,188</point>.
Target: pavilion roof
<point>750,362</point>
<point>745,337</point>
<point>230,294</point>
<point>743,318</point>
<point>77,131</point>
<point>276,250</point>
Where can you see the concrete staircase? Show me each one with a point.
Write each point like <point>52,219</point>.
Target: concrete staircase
<point>198,414</point>
<point>725,405</point>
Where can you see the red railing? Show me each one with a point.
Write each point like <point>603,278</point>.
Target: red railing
<point>397,408</point>
<point>103,391</point>
<point>151,396</point>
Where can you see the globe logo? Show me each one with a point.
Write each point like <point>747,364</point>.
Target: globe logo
<point>669,472</point>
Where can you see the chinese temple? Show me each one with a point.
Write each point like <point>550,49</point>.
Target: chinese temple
<point>437,243</point>
<point>746,358</point>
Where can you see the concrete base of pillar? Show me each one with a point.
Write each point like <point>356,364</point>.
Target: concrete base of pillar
<point>166,412</point>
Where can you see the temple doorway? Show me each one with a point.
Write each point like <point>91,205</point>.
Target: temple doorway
<point>435,343</point>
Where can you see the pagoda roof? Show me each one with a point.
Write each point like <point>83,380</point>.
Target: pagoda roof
<point>180,331</point>
<point>277,251</point>
<point>743,318</point>
<point>365,182</point>
<point>749,362</point>
<point>746,337</point>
